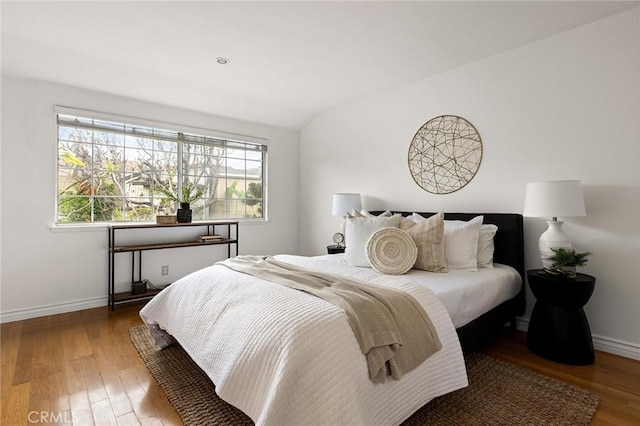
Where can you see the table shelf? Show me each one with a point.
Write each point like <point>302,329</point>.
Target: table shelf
<point>230,237</point>
<point>160,246</point>
<point>127,296</point>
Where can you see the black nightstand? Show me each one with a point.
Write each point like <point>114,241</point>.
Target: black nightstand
<point>334,249</point>
<point>558,329</point>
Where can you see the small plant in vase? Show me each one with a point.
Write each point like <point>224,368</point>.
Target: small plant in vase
<point>188,196</point>
<point>566,260</point>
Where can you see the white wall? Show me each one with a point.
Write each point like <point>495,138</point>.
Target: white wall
<point>48,272</point>
<point>566,107</point>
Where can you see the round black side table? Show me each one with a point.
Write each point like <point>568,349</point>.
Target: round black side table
<point>335,249</point>
<point>558,328</point>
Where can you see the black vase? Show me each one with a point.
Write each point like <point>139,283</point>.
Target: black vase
<point>184,213</point>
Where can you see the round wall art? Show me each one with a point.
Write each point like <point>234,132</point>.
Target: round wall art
<point>445,154</point>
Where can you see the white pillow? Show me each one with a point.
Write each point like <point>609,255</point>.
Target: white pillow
<point>358,230</point>
<point>486,246</point>
<point>461,243</point>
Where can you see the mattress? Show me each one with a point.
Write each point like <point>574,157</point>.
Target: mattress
<point>288,358</point>
<point>465,294</point>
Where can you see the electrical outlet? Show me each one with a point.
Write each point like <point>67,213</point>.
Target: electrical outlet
<point>165,269</point>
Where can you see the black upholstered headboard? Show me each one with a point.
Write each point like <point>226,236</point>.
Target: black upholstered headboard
<point>509,240</point>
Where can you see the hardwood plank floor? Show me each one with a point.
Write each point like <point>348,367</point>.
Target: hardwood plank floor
<point>78,367</point>
<point>82,367</point>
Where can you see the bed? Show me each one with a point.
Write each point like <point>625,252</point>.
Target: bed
<point>285,357</point>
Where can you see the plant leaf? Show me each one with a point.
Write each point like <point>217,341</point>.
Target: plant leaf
<point>68,157</point>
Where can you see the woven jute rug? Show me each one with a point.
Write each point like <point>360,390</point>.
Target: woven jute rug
<point>499,393</point>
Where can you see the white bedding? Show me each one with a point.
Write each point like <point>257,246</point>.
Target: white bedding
<point>287,358</point>
<point>465,294</point>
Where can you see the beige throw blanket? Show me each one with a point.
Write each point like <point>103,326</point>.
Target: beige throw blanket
<point>392,329</point>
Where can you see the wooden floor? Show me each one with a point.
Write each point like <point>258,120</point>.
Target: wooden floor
<point>82,367</point>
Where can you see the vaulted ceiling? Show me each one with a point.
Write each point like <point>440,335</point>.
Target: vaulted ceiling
<point>288,61</point>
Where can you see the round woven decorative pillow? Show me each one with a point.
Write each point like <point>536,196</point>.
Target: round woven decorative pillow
<point>391,251</point>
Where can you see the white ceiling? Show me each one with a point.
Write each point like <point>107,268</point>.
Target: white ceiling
<point>289,61</point>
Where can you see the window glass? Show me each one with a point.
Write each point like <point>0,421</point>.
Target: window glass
<point>110,171</point>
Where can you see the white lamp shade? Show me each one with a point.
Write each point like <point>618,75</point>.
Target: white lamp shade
<point>559,198</point>
<point>343,203</point>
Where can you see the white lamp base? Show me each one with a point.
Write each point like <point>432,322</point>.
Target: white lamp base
<point>553,237</point>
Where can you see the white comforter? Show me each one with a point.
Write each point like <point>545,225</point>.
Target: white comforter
<point>287,358</point>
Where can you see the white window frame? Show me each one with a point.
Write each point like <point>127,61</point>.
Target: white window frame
<point>207,133</point>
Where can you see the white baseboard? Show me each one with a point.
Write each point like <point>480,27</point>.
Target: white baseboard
<point>59,308</point>
<point>522,323</point>
<point>617,347</point>
<point>601,343</point>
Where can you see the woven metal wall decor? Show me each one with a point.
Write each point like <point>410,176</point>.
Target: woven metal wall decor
<point>445,154</point>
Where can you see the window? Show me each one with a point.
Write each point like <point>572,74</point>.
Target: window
<point>114,171</point>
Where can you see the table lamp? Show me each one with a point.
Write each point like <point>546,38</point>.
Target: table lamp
<point>559,198</point>
<point>343,204</point>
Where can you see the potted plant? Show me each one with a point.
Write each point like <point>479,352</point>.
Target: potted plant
<point>566,260</point>
<point>188,196</point>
